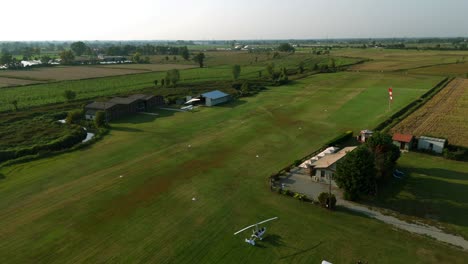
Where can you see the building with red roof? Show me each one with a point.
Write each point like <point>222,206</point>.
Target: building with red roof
<point>403,141</point>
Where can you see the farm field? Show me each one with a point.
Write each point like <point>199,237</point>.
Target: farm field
<point>148,67</point>
<point>61,73</point>
<point>128,198</point>
<point>395,60</point>
<point>5,82</point>
<point>459,69</point>
<point>445,115</point>
<point>435,189</point>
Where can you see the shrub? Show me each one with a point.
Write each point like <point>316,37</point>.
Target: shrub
<point>300,196</point>
<point>297,163</point>
<point>287,192</point>
<point>326,200</point>
<point>100,119</point>
<point>74,117</point>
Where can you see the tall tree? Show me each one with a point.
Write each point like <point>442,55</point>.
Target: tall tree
<point>67,57</point>
<point>199,58</point>
<point>100,119</point>
<point>173,76</point>
<point>236,70</point>
<point>385,152</point>
<point>78,47</point>
<point>355,173</point>
<point>6,58</point>
<point>270,68</point>
<point>301,67</point>
<point>185,53</point>
<point>286,47</point>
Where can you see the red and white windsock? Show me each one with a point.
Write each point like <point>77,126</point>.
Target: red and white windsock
<point>390,93</point>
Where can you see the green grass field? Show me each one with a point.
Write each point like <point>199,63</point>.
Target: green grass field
<point>435,189</point>
<point>76,208</point>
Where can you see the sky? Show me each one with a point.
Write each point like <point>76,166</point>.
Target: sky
<point>230,20</point>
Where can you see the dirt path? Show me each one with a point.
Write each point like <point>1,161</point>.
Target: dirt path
<point>421,229</point>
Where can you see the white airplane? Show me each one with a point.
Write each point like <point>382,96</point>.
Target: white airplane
<point>256,231</point>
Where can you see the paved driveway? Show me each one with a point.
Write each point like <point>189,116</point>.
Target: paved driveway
<point>299,181</point>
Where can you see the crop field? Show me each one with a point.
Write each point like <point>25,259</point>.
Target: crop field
<point>5,82</point>
<point>457,69</point>
<point>394,60</point>
<point>148,67</point>
<point>128,198</point>
<point>445,115</point>
<point>435,190</point>
<point>61,73</point>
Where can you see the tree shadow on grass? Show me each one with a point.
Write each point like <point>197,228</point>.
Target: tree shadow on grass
<point>302,251</point>
<point>125,129</point>
<point>232,104</point>
<point>431,198</point>
<point>2,176</point>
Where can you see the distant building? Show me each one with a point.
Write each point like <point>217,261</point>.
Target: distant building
<point>324,169</point>
<point>30,63</point>
<point>215,97</point>
<point>403,141</point>
<point>364,135</point>
<point>436,145</point>
<point>121,106</point>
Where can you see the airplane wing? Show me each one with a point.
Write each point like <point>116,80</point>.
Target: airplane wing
<point>243,229</point>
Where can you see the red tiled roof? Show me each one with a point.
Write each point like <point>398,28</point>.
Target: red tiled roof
<point>402,137</point>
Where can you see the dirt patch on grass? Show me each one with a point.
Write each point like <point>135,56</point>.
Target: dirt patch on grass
<point>6,82</point>
<point>62,73</point>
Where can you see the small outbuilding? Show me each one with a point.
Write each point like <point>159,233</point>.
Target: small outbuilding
<point>364,135</point>
<point>436,145</point>
<point>403,141</point>
<point>215,97</point>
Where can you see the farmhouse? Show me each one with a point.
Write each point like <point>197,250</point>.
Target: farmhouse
<point>120,106</point>
<point>403,141</point>
<point>431,144</point>
<point>323,169</point>
<point>215,97</point>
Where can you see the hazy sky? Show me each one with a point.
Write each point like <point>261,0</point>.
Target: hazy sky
<point>233,19</point>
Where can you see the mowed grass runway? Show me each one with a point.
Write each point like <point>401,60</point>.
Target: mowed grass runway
<point>76,208</point>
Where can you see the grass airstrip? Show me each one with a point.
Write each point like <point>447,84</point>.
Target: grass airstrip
<point>128,198</point>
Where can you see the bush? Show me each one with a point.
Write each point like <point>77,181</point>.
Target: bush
<point>297,162</point>
<point>74,117</point>
<point>287,192</point>
<point>300,196</point>
<point>326,200</point>
<point>456,153</point>
<point>100,119</point>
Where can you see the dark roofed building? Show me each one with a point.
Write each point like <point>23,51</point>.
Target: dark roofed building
<point>403,141</point>
<point>120,106</point>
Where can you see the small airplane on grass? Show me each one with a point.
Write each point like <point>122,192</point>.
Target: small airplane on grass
<point>257,233</point>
